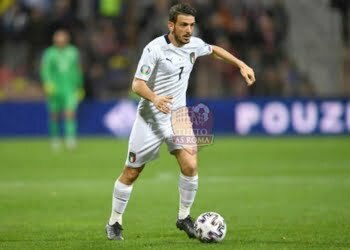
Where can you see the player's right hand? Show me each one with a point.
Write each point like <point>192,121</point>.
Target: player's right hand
<point>49,88</point>
<point>163,103</point>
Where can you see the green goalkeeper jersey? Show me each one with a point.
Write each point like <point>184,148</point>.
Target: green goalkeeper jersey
<point>60,68</point>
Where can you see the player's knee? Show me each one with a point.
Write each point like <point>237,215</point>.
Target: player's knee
<point>129,175</point>
<point>190,167</point>
<point>69,115</point>
<point>54,116</point>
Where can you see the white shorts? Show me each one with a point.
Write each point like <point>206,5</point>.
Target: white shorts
<point>145,140</point>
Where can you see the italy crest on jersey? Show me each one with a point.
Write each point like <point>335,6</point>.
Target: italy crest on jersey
<point>132,157</point>
<point>192,57</point>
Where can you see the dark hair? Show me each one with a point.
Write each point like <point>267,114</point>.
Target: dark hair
<point>180,8</point>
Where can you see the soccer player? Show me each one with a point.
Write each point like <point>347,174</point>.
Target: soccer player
<point>62,78</point>
<point>161,80</point>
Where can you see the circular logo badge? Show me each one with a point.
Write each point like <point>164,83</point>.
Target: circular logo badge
<point>145,69</point>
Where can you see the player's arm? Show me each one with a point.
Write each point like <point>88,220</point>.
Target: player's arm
<point>46,74</point>
<point>226,56</point>
<point>78,69</point>
<point>78,75</point>
<point>162,103</point>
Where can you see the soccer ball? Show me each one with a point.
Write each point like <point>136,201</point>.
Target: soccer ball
<point>210,227</point>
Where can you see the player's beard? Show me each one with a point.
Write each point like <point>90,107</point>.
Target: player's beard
<point>180,41</point>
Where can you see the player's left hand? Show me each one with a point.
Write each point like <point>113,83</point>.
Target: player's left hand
<point>80,94</point>
<point>248,74</point>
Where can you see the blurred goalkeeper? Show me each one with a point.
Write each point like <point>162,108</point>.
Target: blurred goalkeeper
<point>62,77</point>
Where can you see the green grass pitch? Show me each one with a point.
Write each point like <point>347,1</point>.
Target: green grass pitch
<point>274,193</point>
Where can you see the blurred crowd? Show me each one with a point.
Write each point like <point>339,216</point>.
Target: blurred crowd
<point>343,6</point>
<point>110,35</point>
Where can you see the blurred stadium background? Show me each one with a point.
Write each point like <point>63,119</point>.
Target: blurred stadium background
<point>298,49</point>
<point>287,192</point>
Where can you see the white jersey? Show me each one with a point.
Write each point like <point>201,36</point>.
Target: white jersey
<point>166,69</point>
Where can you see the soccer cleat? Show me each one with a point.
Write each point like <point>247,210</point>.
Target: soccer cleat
<point>114,232</point>
<point>187,225</point>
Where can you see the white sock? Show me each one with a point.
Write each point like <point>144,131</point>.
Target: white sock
<point>55,144</point>
<point>121,197</point>
<point>71,143</point>
<point>187,189</point>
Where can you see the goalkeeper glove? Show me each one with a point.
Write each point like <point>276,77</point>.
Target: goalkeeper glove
<point>80,94</point>
<point>49,88</point>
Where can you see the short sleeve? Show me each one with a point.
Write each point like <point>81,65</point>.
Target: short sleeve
<point>146,64</point>
<point>203,48</point>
